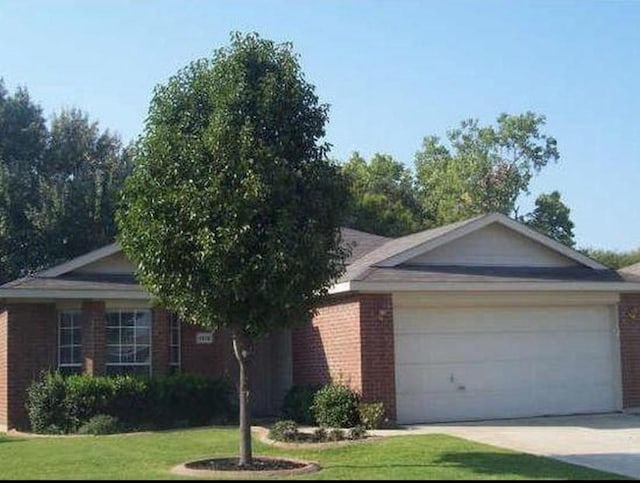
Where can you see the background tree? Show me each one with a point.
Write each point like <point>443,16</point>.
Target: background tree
<point>23,141</point>
<point>232,195</point>
<point>58,185</point>
<point>483,168</point>
<point>383,197</point>
<point>612,258</point>
<point>551,217</point>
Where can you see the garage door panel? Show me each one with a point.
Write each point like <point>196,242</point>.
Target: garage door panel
<point>459,364</point>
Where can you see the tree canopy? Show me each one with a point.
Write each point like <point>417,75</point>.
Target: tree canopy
<point>59,184</point>
<point>232,213</point>
<point>551,217</point>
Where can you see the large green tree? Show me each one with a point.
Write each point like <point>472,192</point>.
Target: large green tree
<point>482,168</point>
<point>59,185</point>
<point>232,212</point>
<point>383,197</point>
<point>552,217</point>
<point>23,142</point>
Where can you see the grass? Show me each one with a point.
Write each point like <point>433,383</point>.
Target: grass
<point>150,456</point>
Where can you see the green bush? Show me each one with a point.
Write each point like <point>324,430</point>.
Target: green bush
<point>61,405</point>
<point>46,405</point>
<point>357,432</point>
<point>285,430</point>
<point>335,406</point>
<point>371,415</point>
<point>319,435</point>
<point>101,424</point>
<point>297,404</point>
<point>335,435</point>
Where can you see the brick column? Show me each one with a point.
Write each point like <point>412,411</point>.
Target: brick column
<point>30,348</point>
<point>377,351</point>
<point>629,319</point>
<point>160,340</point>
<point>94,337</point>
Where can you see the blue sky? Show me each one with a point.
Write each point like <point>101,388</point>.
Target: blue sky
<point>392,71</point>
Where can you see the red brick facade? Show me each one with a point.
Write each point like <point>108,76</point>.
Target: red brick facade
<point>629,317</point>
<point>30,332</point>
<point>350,341</point>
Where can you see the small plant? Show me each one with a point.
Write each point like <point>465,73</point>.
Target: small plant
<point>285,430</point>
<point>297,404</point>
<point>319,435</point>
<point>335,406</point>
<point>357,432</point>
<point>101,424</point>
<point>371,414</point>
<point>335,435</point>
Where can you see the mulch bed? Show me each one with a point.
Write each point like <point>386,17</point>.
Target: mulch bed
<point>259,464</point>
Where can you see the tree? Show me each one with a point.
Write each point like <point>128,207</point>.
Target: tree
<point>383,197</point>
<point>232,195</point>
<point>23,140</point>
<point>612,258</point>
<point>551,217</point>
<point>79,184</point>
<point>483,169</point>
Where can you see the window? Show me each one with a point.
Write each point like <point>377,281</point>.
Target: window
<point>174,343</point>
<point>129,342</point>
<point>69,342</point>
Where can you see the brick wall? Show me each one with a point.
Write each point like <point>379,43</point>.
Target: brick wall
<point>328,348</point>
<point>31,331</point>
<point>378,360</point>
<point>629,317</point>
<point>4,319</point>
<point>350,340</point>
<point>94,337</point>
<point>160,340</point>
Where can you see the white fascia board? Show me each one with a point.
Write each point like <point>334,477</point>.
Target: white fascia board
<point>81,261</point>
<point>342,287</point>
<point>25,293</point>
<point>377,287</point>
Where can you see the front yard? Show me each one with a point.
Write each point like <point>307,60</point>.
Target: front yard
<point>150,456</point>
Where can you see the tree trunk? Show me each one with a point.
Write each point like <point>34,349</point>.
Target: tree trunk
<point>242,351</point>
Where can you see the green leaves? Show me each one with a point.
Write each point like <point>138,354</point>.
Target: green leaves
<point>551,217</point>
<point>232,195</point>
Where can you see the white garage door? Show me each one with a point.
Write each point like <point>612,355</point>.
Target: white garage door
<point>483,363</point>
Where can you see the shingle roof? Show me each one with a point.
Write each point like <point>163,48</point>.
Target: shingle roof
<point>454,273</point>
<point>631,273</point>
<point>77,282</point>
<point>361,242</point>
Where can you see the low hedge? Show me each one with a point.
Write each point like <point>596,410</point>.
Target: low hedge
<point>58,404</point>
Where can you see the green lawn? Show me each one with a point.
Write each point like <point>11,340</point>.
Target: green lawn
<point>150,456</point>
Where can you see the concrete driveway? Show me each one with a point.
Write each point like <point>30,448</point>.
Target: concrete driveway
<point>608,442</point>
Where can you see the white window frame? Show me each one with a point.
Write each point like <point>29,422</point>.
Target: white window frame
<point>178,346</point>
<point>120,311</point>
<point>77,320</point>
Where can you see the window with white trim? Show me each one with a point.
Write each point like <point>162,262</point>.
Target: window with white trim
<point>70,342</point>
<point>129,342</point>
<point>174,343</point>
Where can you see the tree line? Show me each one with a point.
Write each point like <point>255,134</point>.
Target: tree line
<point>60,183</point>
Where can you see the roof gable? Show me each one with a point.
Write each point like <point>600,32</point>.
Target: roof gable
<point>493,245</point>
<point>475,224</point>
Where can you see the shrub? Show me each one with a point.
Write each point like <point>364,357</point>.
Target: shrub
<point>46,405</point>
<point>319,435</point>
<point>357,432</point>
<point>335,405</point>
<point>60,405</point>
<point>371,415</point>
<point>335,435</point>
<point>297,404</point>
<point>101,424</point>
<point>285,430</point>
